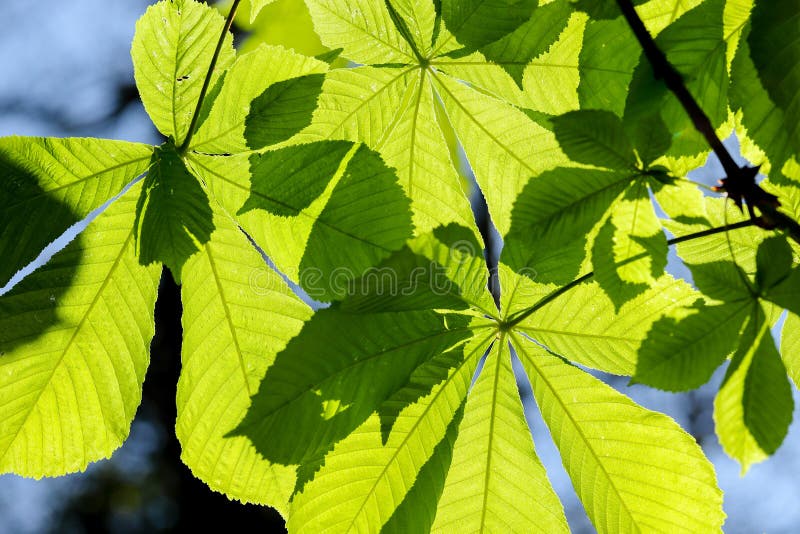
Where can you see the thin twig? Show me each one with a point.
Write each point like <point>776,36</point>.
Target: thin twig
<point>521,315</point>
<point>210,74</point>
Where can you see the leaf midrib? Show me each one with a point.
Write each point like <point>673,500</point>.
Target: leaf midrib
<point>577,429</point>
<point>416,424</point>
<point>78,328</point>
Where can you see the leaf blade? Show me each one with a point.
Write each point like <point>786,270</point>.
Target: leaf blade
<point>496,483</point>
<point>172,50</point>
<point>70,392</point>
<point>60,181</point>
<point>237,314</point>
<point>634,470</point>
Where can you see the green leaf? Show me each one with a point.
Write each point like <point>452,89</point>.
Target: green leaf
<point>710,257</point>
<point>442,270</point>
<point>420,19</point>
<point>427,488</point>
<point>379,490</point>
<point>633,469</point>
<point>652,138</point>
<point>786,294</point>
<point>173,216</point>
<point>392,110</point>
<point>367,109</point>
<point>753,408</point>
<point>680,354</point>
<point>360,219</point>
<point>352,24</point>
<point>608,57</point>
<point>282,110</point>
<point>790,346</point>
<point>69,392</point>
<point>267,96</point>
<point>585,327</point>
<point>476,23</point>
<point>514,51</point>
<point>172,50</point>
<point>256,6</point>
<point>336,372</point>
<point>237,314</point>
<point>552,217</point>
<point>595,137</point>
<point>637,232</point>
<point>553,77</point>
<point>49,184</point>
<point>764,121</point>
<point>722,280</point>
<point>288,180</point>
<point>775,51</point>
<point>496,483</point>
<point>503,146</point>
<point>774,261</point>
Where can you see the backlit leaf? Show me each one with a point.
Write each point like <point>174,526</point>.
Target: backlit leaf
<point>172,50</point>
<point>496,482</point>
<point>49,184</point>
<point>754,405</point>
<point>70,390</point>
<point>237,314</point>
<point>634,470</point>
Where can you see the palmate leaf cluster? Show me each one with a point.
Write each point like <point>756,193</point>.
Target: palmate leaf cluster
<point>396,408</point>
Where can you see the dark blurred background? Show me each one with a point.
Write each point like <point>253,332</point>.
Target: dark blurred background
<point>66,71</point>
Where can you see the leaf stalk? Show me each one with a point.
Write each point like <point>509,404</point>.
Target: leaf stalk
<point>207,82</point>
<point>520,316</point>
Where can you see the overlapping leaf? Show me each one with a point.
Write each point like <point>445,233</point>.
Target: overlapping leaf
<point>696,46</point>
<point>775,51</point>
<point>393,103</point>
<point>364,415</point>
<point>425,409</point>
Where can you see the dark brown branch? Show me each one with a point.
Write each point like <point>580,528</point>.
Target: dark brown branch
<point>740,182</point>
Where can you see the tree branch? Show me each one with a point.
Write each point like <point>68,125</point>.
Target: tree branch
<point>740,183</point>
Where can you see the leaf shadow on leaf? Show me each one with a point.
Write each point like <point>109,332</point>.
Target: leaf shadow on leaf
<point>617,289</point>
<point>552,218</point>
<point>682,354</point>
<point>367,216</point>
<point>722,280</point>
<point>282,110</point>
<point>31,308</point>
<point>339,370</point>
<point>208,101</point>
<point>30,218</point>
<point>173,214</point>
<point>286,181</point>
<point>427,489</point>
<point>467,20</point>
